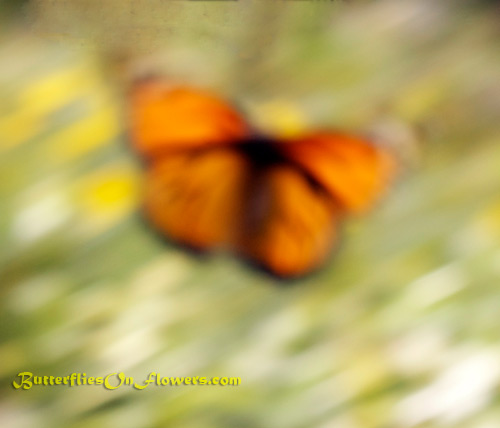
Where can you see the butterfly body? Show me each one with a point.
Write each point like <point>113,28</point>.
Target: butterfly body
<point>213,182</point>
<point>261,151</point>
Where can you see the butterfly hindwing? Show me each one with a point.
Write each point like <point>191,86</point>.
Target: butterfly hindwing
<point>196,198</point>
<point>293,224</point>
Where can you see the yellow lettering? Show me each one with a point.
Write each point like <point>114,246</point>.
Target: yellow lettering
<point>25,380</point>
<point>176,380</point>
<point>146,382</point>
<point>107,385</point>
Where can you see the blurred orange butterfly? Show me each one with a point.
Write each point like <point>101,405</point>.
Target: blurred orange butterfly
<point>212,181</point>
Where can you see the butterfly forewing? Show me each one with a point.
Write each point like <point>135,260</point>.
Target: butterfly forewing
<point>165,118</point>
<point>354,171</point>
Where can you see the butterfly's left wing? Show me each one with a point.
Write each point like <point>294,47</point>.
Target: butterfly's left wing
<point>166,119</point>
<point>194,179</point>
<point>195,198</point>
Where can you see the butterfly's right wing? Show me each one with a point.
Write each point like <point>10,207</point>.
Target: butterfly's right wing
<point>291,224</point>
<point>354,171</point>
<point>296,218</point>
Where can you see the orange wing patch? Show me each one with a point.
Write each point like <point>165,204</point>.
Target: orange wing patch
<point>296,225</point>
<point>196,198</point>
<point>180,118</point>
<point>352,170</point>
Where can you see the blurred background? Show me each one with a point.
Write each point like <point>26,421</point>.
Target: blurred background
<point>399,330</point>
